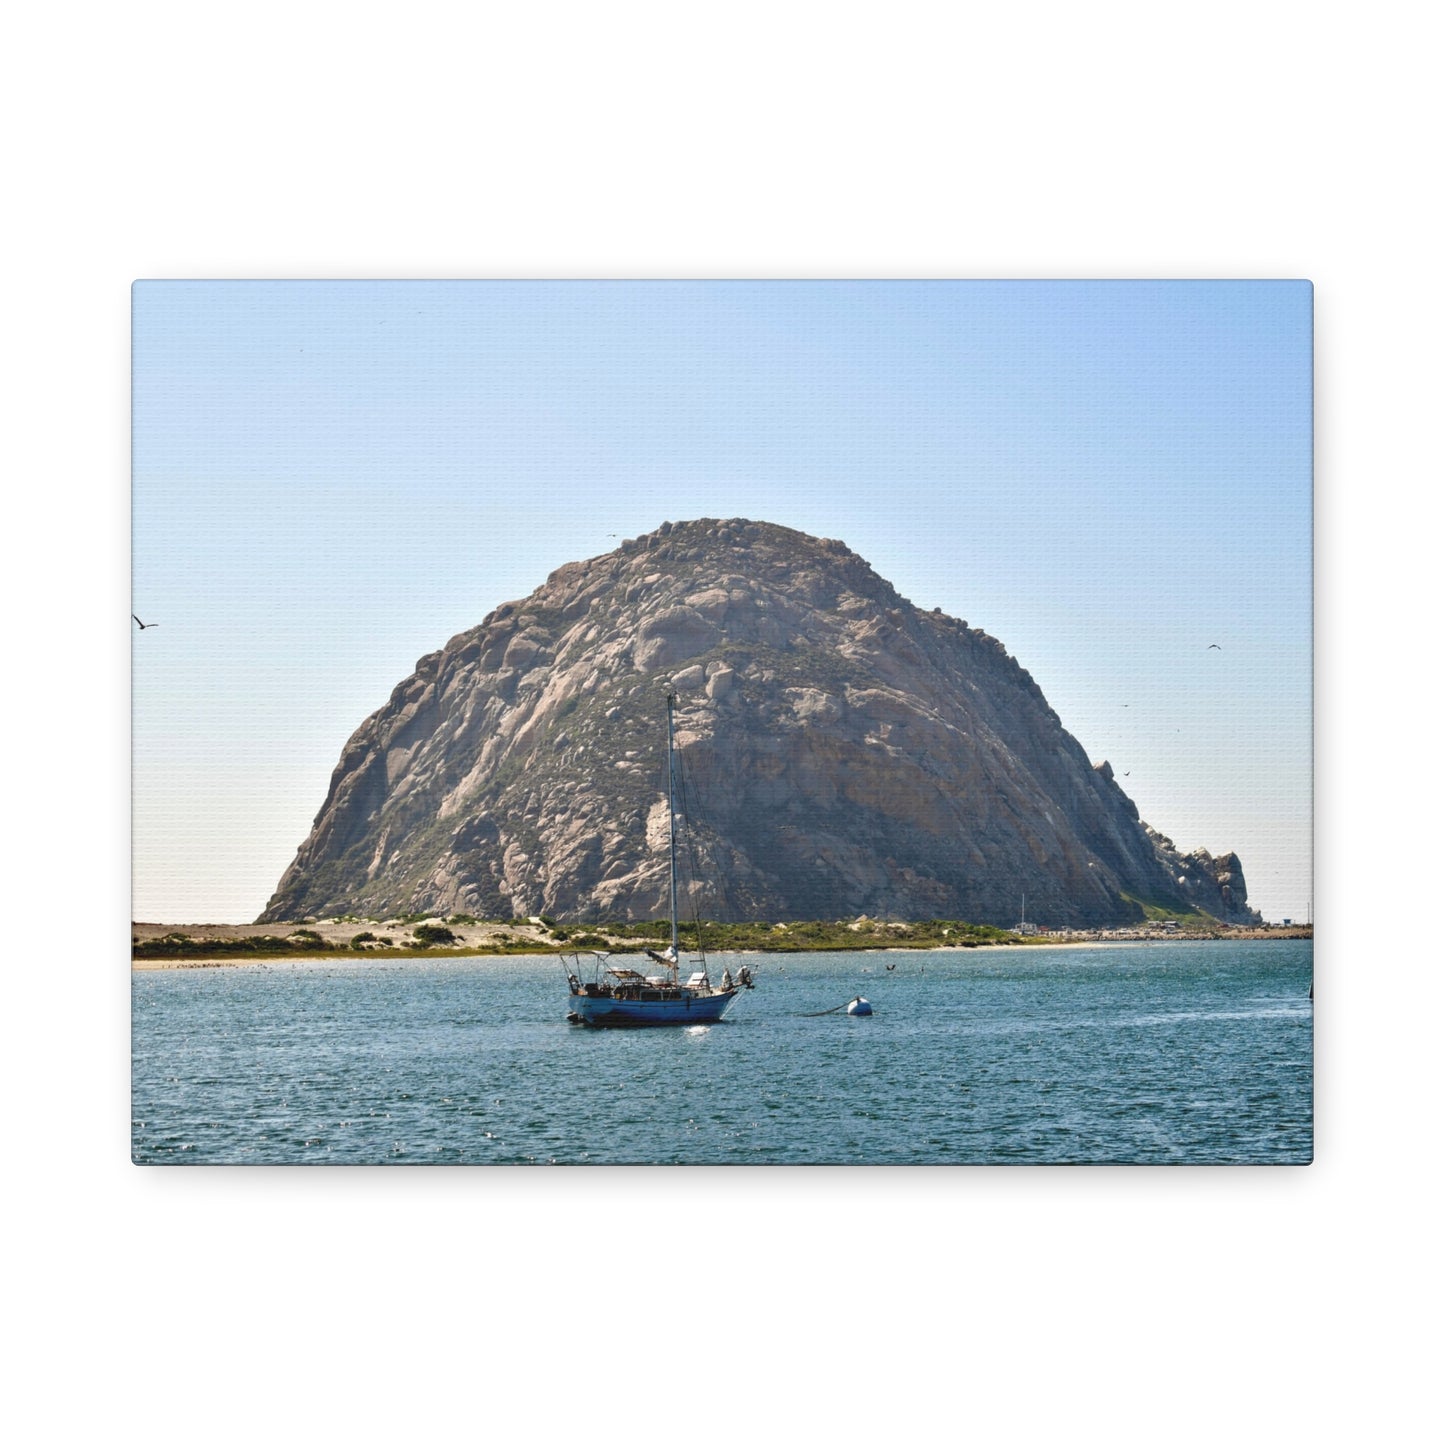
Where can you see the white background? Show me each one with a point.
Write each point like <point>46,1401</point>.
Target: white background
<point>781,140</point>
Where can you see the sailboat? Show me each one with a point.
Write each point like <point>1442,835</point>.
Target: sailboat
<point>623,997</point>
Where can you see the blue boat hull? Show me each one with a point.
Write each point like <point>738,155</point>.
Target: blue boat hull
<point>602,1011</point>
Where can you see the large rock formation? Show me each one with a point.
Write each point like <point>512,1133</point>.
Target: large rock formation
<point>849,754</point>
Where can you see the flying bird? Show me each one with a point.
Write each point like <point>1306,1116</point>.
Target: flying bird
<point>1215,646</point>
<point>142,625</point>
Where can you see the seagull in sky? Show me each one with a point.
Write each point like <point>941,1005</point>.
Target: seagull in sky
<point>142,625</point>
<point>1215,646</point>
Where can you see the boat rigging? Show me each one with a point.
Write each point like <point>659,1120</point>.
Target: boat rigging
<point>622,997</point>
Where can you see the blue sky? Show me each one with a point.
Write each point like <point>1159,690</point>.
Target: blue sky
<point>332,478</point>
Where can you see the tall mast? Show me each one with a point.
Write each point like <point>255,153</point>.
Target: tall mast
<point>671,834</point>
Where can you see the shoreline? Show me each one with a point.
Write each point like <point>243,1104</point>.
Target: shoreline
<point>333,953</point>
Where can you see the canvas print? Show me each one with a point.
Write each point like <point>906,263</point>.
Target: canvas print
<point>722,722</point>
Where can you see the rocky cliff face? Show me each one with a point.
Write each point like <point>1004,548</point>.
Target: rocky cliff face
<point>848,754</point>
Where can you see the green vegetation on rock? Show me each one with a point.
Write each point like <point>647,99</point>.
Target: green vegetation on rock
<point>1157,912</point>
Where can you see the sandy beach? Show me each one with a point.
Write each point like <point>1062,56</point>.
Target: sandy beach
<point>393,939</point>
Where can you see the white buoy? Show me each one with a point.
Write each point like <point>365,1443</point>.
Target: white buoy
<point>860,1005</point>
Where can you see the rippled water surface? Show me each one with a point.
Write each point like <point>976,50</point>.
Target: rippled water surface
<point>1147,1053</point>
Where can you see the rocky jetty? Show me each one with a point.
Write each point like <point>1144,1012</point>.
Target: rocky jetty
<point>848,754</point>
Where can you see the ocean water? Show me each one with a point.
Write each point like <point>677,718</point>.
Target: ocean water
<point>1168,1053</point>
